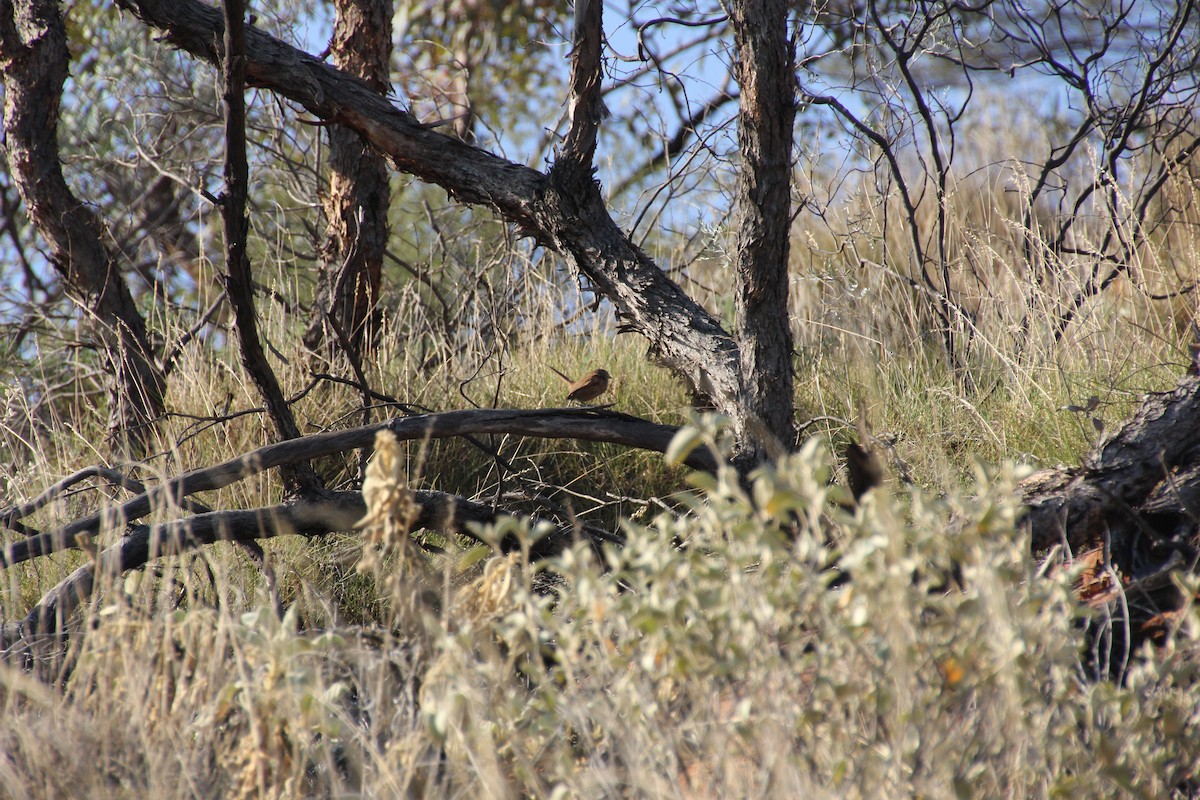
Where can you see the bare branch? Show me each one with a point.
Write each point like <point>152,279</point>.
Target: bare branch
<point>568,216</point>
<point>239,285</point>
<point>588,425</point>
<point>335,512</point>
<point>9,517</point>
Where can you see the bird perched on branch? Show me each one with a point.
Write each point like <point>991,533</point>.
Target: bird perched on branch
<point>589,387</point>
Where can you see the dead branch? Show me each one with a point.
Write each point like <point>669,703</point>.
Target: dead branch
<point>336,511</point>
<point>1129,517</point>
<point>1151,454</point>
<point>9,517</point>
<point>239,284</point>
<point>594,425</point>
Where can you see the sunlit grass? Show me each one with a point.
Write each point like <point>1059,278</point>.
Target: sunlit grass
<point>721,652</point>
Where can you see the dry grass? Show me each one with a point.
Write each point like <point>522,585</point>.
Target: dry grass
<point>714,656</point>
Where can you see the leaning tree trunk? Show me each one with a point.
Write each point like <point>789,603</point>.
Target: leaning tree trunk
<point>563,210</point>
<point>358,198</point>
<point>33,59</point>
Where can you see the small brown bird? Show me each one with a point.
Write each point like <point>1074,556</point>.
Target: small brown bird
<point>864,470</point>
<point>589,387</point>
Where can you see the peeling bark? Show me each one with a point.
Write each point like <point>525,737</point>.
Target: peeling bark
<point>358,198</point>
<point>34,59</point>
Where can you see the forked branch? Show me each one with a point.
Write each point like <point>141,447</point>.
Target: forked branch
<point>565,212</point>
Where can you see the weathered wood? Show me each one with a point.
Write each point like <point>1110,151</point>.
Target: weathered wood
<point>331,513</point>
<point>338,511</point>
<point>584,424</point>
<point>1129,516</point>
<point>1146,466</point>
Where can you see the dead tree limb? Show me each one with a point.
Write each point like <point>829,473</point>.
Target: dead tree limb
<point>588,425</point>
<point>315,515</point>
<point>239,284</point>
<point>1152,456</point>
<point>9,517</point>
<point>144,543</point>
<point>1129,516</point>
<point>336,511</point>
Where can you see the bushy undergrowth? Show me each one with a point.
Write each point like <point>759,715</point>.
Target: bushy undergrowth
<point>763,640</point>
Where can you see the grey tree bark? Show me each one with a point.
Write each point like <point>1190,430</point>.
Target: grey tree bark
<point>562,210</point>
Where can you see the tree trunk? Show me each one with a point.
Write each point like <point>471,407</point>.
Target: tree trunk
<point>239,283</point>
<point>34,58</point>
<point>764,64</point>
<point>359,196</point>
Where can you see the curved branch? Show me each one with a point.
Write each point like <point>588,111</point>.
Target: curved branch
<point>588,425</point>
<point>338,511</point>
<point>566,215</point>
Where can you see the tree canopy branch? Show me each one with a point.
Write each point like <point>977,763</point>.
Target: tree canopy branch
<point>569,217</point>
